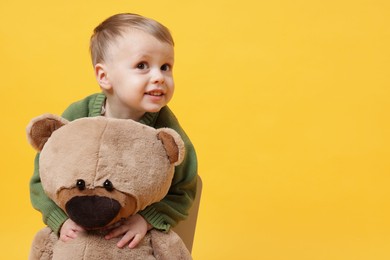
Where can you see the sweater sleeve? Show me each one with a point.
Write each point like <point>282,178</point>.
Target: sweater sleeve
<point>52,215</point>
<point>175,205</point>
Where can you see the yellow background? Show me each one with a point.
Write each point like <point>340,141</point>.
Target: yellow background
<point>286,101</point>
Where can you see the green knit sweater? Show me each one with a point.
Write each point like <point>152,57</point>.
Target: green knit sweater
<point>161,215</point>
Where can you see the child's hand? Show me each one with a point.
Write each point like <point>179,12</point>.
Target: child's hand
<point>69,230</point>
<point>134,228</point>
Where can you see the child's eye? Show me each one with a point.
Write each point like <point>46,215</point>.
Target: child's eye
<point>166,67</point>
<point>142,66</point>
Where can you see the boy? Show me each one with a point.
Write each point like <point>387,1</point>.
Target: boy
<point>133,59</point>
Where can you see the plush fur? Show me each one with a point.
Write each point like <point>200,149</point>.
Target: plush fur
<point>99,171</point>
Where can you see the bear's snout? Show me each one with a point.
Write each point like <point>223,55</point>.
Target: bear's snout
<point>92,212</point>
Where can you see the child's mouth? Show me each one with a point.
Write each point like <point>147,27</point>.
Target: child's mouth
<point>155,93</point>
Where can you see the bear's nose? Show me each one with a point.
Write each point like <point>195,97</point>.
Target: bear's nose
<point>92,212</point>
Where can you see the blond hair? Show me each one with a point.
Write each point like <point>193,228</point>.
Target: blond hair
<point>110,29</point>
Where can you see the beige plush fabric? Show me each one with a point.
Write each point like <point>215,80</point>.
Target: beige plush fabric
<point>155,245</point>
<point>137,160</point>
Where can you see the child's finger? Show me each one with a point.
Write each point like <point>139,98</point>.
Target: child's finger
<point>67,237</point>
<point>116,232</point>
<point>72,234</point>
<point>137,238</point>
<point>125,239</point>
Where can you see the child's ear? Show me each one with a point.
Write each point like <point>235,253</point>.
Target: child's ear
<point>101,76</point>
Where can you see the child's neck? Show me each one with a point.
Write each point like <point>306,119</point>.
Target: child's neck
<point>116,113</point>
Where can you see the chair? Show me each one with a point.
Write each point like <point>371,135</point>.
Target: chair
<point>186,229</point>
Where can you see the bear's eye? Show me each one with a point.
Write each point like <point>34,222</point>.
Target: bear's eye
<point>108,185</point>
<point>80,184</point>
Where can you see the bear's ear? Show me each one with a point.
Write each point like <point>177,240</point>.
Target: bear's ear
<point>40,129</point>
<point>173,144</point>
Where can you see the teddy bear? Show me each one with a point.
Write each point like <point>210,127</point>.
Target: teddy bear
<point>100,171</point>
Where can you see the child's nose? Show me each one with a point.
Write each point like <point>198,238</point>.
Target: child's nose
<point>157,76</point>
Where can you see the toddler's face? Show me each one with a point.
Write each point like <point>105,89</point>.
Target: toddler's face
<point>138,73</point>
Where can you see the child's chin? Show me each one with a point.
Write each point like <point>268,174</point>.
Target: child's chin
<point>154,109</point>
